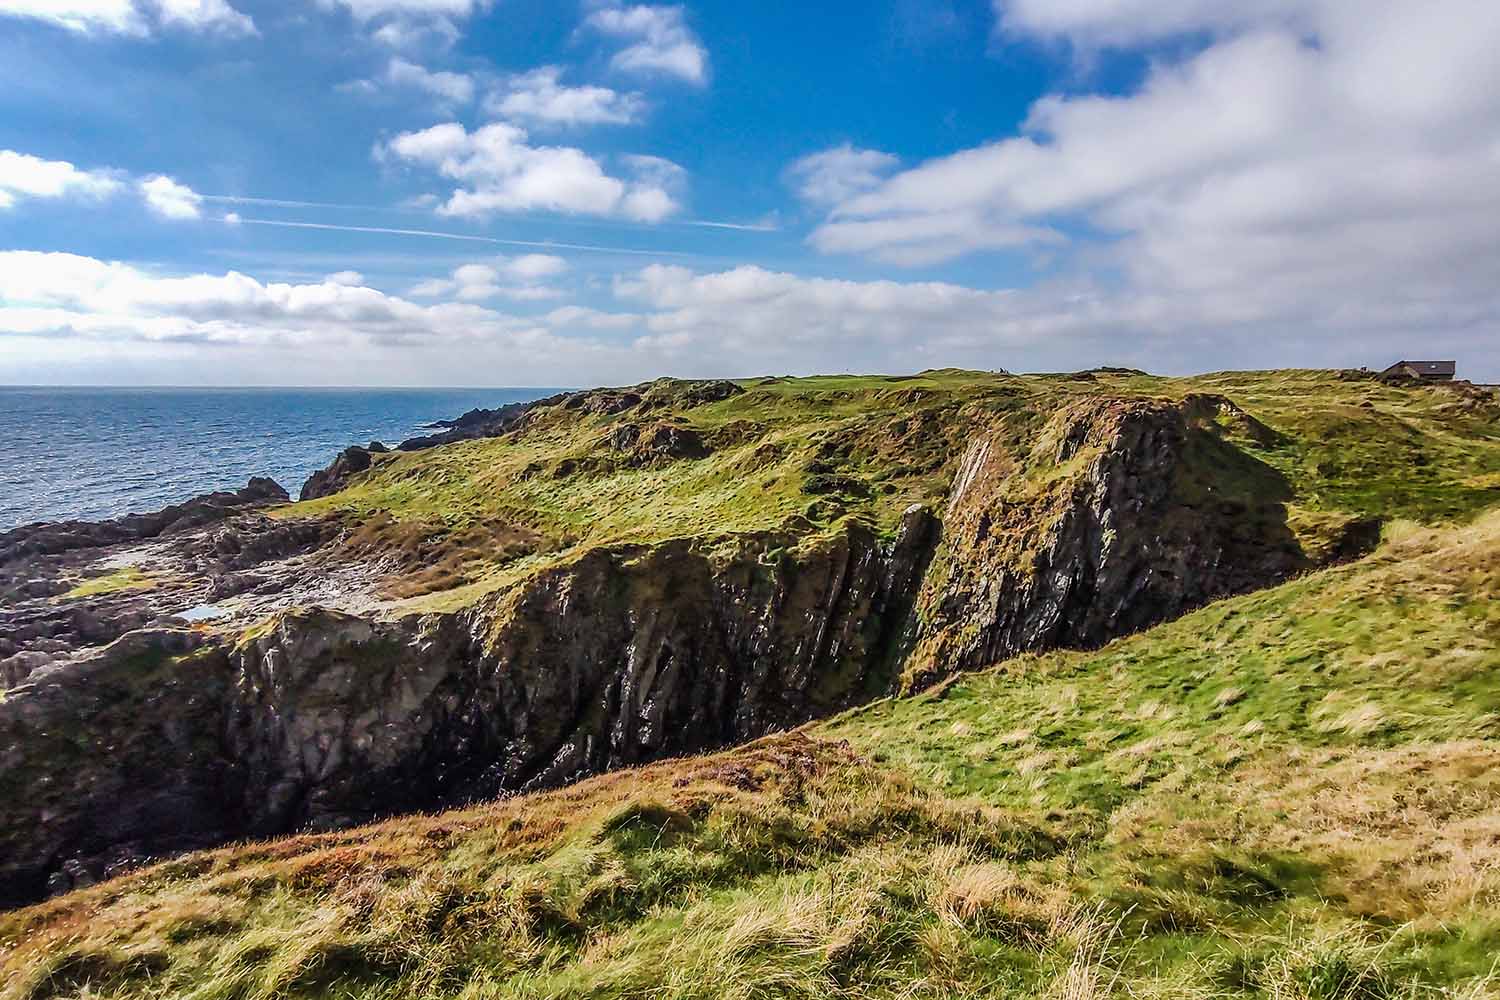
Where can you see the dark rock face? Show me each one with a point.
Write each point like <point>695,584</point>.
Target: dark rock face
<point>624,656</point>
<point>660,441</point>
<point>1152,528</point>
<point>1123,514</point>
<point>478,423</point>
<point>107,761</point>
<point>325,482</point>
<point>48,538</point>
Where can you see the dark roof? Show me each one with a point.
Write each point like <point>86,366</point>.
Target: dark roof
<point>1427,368</point>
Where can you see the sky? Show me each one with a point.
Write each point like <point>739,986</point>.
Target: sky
<point>555,192</point>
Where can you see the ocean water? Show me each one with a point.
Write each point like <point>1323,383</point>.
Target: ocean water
<point>97,453</point>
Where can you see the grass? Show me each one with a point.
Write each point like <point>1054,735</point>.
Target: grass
<point>127,578</point>
<point>798,454</point>
<point>1293,794</point>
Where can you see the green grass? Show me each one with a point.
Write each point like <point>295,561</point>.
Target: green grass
<point>797,455</point>
<point>128,578</point>
<point>1293,794</point>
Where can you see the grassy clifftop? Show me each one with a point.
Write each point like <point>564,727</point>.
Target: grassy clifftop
<point>1293,794</point>
<point>669,459</point>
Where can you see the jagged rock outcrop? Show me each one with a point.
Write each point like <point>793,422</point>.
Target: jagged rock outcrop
<point>52,537</point>
<point>112,759</point>
<point>322,720</point>
<point>478,423</point>
<point>325,482</point>
<point>1116,514</point>
<point>1124,514</point>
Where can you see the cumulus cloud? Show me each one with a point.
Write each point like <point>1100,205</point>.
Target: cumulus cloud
<point>456,88</point>
<point>23,176</point>
<point>133,17</point>
<point>674,320</point>
<point>759,320</point>
<point>369,10</point>
<point>416,33</point>
<point>411,25</point>
<point>351,278</point>
<point>659,41</point>
<point>838,174</point>
<point>169,199</point>
<point>518,278</point>
<point>204,15</point>
<point>1304,166</point>
<point>539,96</point>
<point>501,172</point>
<point>59,294</point>
<point>1097,23</point>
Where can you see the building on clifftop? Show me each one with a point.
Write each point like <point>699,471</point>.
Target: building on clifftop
<point>1427,371</point>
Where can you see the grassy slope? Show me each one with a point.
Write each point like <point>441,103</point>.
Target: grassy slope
<point>1290,794</point>
<point>1346,446</point>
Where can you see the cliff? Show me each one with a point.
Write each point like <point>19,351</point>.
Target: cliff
<point>804,556</point>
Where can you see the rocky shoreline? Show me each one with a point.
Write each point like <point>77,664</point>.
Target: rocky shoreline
<point>130,732</point>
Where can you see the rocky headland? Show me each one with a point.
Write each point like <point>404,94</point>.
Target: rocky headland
<point>606,578</point>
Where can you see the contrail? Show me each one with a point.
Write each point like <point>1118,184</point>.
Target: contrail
<point>433,234</point>
<point>235,199</point>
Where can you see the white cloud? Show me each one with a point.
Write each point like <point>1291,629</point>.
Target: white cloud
<point>205,15</point>
<point>504,173</point>
<point>453,87</point>
<point>169,199</point>
<point>24,176</point>
<point>660,41</point>
<point>534,266</point>
<point>538,96</point>
<point>1305,166</point>
<point>133,17</point>
<point>519,278</point>
<point>116,16</point>
<point>672,320</point>
<point>840,173</point>
<point>369,10</point>
<point>60,294</point>
<point>415,33</point>
<point>351,278</point>
<point>816,322</point>
<point>1095,23</point>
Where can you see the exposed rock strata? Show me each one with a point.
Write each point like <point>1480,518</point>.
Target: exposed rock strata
<point>622,656</point>
<point>1125,514</point>
<point>1122,514</point>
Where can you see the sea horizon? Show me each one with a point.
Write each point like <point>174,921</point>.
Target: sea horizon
<point>108,451</point>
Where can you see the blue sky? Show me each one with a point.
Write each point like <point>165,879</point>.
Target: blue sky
<point>232,191</point>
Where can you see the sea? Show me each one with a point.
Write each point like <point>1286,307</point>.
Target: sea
<point>94,453</point>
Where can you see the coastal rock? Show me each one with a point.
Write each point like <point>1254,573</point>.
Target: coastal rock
<point>1126,513</point>
<point>657,442</point>
<point>53,537</point>
<point>351,461</point>
<point>322,720</point>
<point>1114,514</point>
<point>479,423</point>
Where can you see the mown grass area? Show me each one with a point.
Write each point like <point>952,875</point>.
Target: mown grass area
<point>798,454</point>
<point>1294,794</point>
